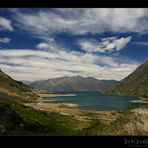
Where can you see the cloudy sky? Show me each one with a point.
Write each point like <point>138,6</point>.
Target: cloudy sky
<point>46,43</point>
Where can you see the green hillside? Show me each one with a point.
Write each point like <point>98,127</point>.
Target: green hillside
<point>17,119</point>
<point>17,90</point>
<point>135,84</point>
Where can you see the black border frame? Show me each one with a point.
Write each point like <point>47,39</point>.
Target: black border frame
<point>75,141</point>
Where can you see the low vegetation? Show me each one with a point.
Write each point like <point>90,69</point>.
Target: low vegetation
<point>17,119</point>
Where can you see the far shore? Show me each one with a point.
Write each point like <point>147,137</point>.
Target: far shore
<point>142,100</point>
<point>139,101</point>
<point>55,95</point>
<point>146,99</point>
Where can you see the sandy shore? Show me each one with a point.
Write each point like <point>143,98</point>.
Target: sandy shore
<point>142,100</point>
<point>55,95</point>
<point>74,112</point>
<point>139,101</point>
<point>69,105</point>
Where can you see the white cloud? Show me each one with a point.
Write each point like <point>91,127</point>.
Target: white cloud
<point>43,46</point>
<point>81,20</point>
<point>5,24</point>
<point>122,42</point>
<point>5,40</point>
<point>38,64</point>
<point>56,61</point>
<point>141,43</point>
<point>105,45</point>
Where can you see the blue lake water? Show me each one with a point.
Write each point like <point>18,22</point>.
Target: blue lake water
<point>95,100</point>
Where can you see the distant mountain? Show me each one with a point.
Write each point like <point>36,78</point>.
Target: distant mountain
<point>14,90</point>
<point>73,83</point>
<point>134,84</point>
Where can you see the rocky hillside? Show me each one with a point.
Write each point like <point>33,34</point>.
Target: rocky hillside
<point>15,89</point>
<point>73,83</point>
<point>134,84</point>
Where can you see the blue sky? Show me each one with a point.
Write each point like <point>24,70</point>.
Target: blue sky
<point>46,43</point>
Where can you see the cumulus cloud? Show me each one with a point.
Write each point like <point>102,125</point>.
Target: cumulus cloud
<point>43,46</point>
<point>141,43</point>
<point>5,40</point>
<point>82,21</point>
<point>5,24</point>
<point>108,44</point>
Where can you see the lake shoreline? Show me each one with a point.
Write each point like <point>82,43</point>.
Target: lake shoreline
<point>141,100</point>
<point>43,97</point>
<point>71,110</point>
<point>54,95</point>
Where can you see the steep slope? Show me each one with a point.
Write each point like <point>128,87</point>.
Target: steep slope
<point>15,89</point>
<point>17,119</point>
<point>134,84</point>
<point>73,83</point>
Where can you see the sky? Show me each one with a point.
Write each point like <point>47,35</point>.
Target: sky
<point>44,43</point>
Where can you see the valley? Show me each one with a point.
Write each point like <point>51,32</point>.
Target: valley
<point>25,112</point>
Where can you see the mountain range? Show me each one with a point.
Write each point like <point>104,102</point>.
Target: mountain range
<point>77,83</point>
<point>135,84</point>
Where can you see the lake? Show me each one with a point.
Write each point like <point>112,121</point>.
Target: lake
<point>95,100</point>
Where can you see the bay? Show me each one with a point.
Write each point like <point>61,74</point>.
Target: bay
<point>94,100</point>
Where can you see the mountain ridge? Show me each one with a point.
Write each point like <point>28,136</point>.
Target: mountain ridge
<point>10,88</point>
<point>135,83</point>
<point>73,83</point>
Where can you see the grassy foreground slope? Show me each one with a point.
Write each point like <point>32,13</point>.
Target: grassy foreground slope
<point>17,119</point>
